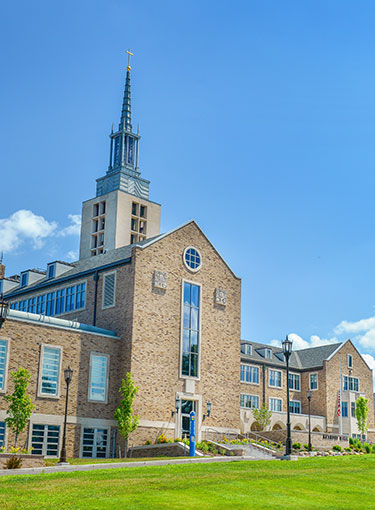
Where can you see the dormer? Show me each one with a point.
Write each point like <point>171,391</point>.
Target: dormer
<point>8,284</point>
<point>265,352</point>
<point>57,268</point>
<point>30,277</point>
<point>279,355</point>
<point>246,348</point>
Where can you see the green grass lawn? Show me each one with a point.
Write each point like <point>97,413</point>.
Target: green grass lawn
<point>313,483</point>
<point>53,462</point>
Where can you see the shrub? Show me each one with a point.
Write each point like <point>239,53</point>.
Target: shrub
<point>367,447</point>
<point>213,451</point>
<point>178,440</point>
<point>373,448</point>
<point>306,447</point>
<point>336,448</point>
<point>225,440</point>
<point>161,439</point>
<point>222,451</point>
<point>203,447</point>
<point>148,442</point>
<point>348,449</point>
<point>296,446</point>
<point>352,441</point>
<point>13,462</point>
<point>359,445</point>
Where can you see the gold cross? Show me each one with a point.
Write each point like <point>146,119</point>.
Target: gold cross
<point>129,54</point>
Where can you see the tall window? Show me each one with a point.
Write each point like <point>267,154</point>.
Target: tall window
<point>295,382</point>
<point>50,304</point>
<point>295,406</point>
<point>50,371</point>
<point>276,405</point>
<point>350,361</point>
<point>313,381</point>
<point>45,440</point>
<point>249,401</point>
<point>191,330</point>
<point>109,282</point>
<point>70,298</point>
<point>351,383</point>
<point>3,362</point>
<point>60,301</point>
<point>249,374</point>
<point>98,377</point>
<point>80,295</point>
<point>116,155</point>
<point>352,406</point>
<point>344,409</point>
<point>31,305</point>
<point>275,378</point>
<point>41,304</point>
<point>2,433</point>
<point>94,443</point>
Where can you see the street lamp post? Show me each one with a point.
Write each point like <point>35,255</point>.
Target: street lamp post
<point>309,393</point>
<point>68,374</point>
<point>287,349</point>
<point>4,307</point>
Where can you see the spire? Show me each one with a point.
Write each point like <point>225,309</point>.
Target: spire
<point>126,114</point>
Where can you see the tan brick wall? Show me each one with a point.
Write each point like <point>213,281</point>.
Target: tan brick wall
<point>157,330</point>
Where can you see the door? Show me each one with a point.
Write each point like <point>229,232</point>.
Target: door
<point>186,407</point>
<point>95,443</point>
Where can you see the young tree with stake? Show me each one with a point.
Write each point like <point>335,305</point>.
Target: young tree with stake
<point>127,422</point>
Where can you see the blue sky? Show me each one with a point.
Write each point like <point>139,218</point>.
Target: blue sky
<point>257,120</point>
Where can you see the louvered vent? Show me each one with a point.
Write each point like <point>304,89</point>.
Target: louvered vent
<point>109,290</point>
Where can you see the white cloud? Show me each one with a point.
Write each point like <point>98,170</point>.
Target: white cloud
<point>370,360</point>
<point>72,255</point>
<point>74,229</point>
<point>355,327</point>
<point>24,225</point>
<point>300,343</point>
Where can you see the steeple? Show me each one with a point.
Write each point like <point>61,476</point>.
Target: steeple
<point>126,113</point>
<point>123,170</point>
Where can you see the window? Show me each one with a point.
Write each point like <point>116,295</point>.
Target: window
<point>50,305</point>
<point>313,381</point>
<point>3,363</point>
<point>344,409</point>
<point>186,407</point>
<point>94,443</point>
<point>80,296</point>
<point>98,377</point>
<point>268,354</point>
<point>249,401</point>
<point>24,279</point>
<point>41,303</point>
<point>295,406</point>
<point>23,305</point>
<point>246,349</point>
<point>31,305</point>
<point>351,383</point>
<point>350,361</point>
<point>96,210</point>
<point>142,212</point>
<point>45,440</point>
<point>192,259</point>
<point>102,207</point>
<point>249,374</point>
<point>2,433</point>
<point>191,329</point>
<point>135,208</point>
<point>276,405</point>
<point>109,285</point>
<point>51,357</point>
<point>70,298</point>
<point>275,378</point>
<point>60,301</point>
<point>352,407</point>
<point>51,271</point>
<point>295,382</point>
<point>116,155</point>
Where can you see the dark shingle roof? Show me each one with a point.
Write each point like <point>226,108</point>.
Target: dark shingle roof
<point>300,359</point>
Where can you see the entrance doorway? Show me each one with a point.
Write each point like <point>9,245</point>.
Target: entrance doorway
<point>186,407</point>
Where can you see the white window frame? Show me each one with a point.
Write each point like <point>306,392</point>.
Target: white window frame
<point>48,395</point>
<point>317,381</point>
<point>44,445</point>
<point>114,290</point>
<point>4,389</point>
<point>275,398</point>
<point>350,364</point>
<point>249,347</point>
<point>300,380</point>
<point>300,405</point>
<point>105,401</point>
<point>95,427</point>
<point>247,382</point>
<point>252,396</point>
<point>184,261</point>
<point>269,378</point>
<point>350,377</point>
<point>183,281</point>
<point>268,353</point>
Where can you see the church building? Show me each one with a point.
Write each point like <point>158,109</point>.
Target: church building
<point>165,307</point>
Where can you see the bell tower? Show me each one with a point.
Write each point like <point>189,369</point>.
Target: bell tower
<point>121,213</point>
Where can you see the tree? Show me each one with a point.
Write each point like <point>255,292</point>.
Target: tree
<point>262,416</point>
<point>20,406</point>
<point>361,412</point>
<point>127,422</point>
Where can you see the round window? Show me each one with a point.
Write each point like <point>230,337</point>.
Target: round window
<point>192,259</point>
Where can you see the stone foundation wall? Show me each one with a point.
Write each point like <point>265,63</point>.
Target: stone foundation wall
<point>318,440</point>
<point>28,461</point>
<point>160,450</point>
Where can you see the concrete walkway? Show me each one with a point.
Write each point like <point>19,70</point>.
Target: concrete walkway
<point>116,465</point>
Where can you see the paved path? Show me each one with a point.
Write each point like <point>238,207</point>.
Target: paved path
<point>88,467</point>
